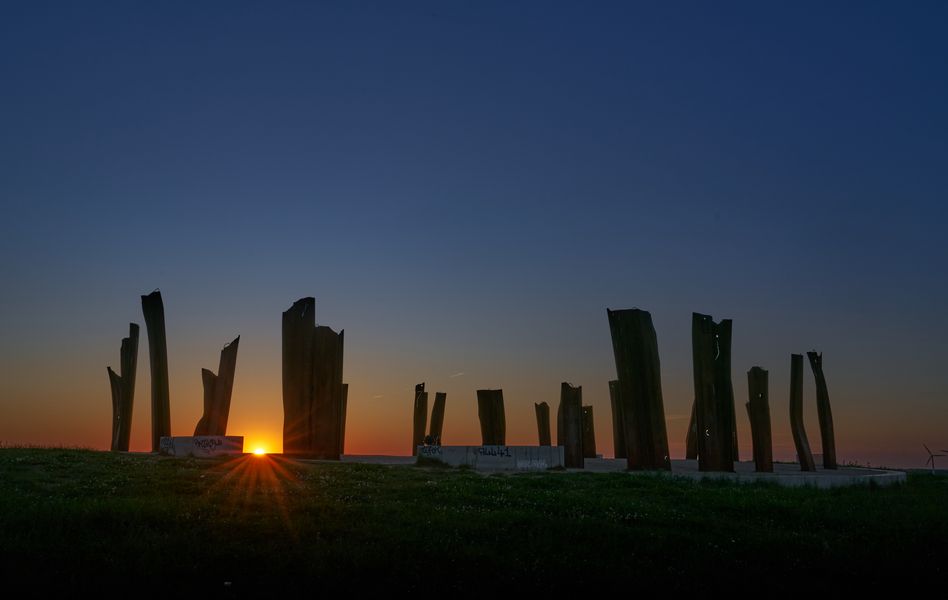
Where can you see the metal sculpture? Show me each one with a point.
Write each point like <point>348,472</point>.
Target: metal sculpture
<point>437,418</point>
<point>569,425</point>
<point>804,455</point>
<point>758,411</point>
<point>154,311</point>
<point>217,392</point>
<point>543,423</point>
<point>123,390</point>
<point>490,413</point>
<point>827,436</point>
<point>589,433</point>
<point>618,431</point>
<point>635,347</point>
<point>342,419</point>
<point>419,418</point>
<point>715,418</point>
<point>313,392</point>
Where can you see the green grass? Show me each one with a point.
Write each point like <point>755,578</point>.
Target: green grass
<point>79,518</point>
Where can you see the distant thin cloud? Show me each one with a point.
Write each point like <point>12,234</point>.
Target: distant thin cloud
<point>457,374</point>
<point>377,396</point>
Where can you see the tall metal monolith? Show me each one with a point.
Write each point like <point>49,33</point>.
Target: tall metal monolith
<point>589,433</point>
<point>217,392</point>
<point>342,423</point>
<point>635,347</point>
<point>569,425</point>
<point>800,441</point>
<point>490,413</point>
<point>618,430</point>
<point>299,332</point>
<point>326,415</point>
<point>543,423</point>
<point>758,411</point>
<point>154,311</point>
<point>313,392</point>
<point>715,417</point>
<point>827,436</point>
<point>123,390</point>
<point>419,418</point>
<point>437,417</point>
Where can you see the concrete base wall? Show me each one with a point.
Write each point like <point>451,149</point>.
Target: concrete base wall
<point>496,458</point>
<point>202,445</point>
<point>785,474</point>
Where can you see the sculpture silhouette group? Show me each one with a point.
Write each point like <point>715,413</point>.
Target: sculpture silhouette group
<point>315,398</point>
<point>638,419</point>
<point>418,437</point>
<point>217,388</point>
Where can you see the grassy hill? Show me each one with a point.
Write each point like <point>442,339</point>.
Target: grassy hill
<point>82,519</point>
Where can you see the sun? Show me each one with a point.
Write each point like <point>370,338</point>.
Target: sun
<point>260,451</point>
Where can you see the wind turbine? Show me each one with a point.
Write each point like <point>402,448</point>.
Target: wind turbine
<point>931,458</point>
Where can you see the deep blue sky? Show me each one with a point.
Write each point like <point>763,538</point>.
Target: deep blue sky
<point>465,187</point>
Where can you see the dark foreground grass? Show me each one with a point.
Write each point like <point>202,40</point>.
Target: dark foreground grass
<point>81,519</point>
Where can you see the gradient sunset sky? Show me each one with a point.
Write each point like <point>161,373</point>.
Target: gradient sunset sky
<point>465,187</point>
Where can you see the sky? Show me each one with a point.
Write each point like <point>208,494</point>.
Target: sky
<point>465,188</point>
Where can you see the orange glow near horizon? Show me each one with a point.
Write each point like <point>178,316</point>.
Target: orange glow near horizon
<point>259,442</point>
<point>380,413</point>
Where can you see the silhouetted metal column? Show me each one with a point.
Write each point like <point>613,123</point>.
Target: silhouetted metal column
<point>326,415</point>
<point>217,392</point>
<point>589,433</point>
<point>543,423</point>
<point>299,330</point>
<point>635,347</point>
<point>437,417</point>
<point>758,411</point>
<point>618,431</point>
<point>490,412</point>
<point>123,390</point>
<point>804,455</point>
<point>342,419</point>
<point>827,437</point>
<point>570,425</point>
<point>154,311</point>
<point>419,418</point>
<point>714,393</point>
